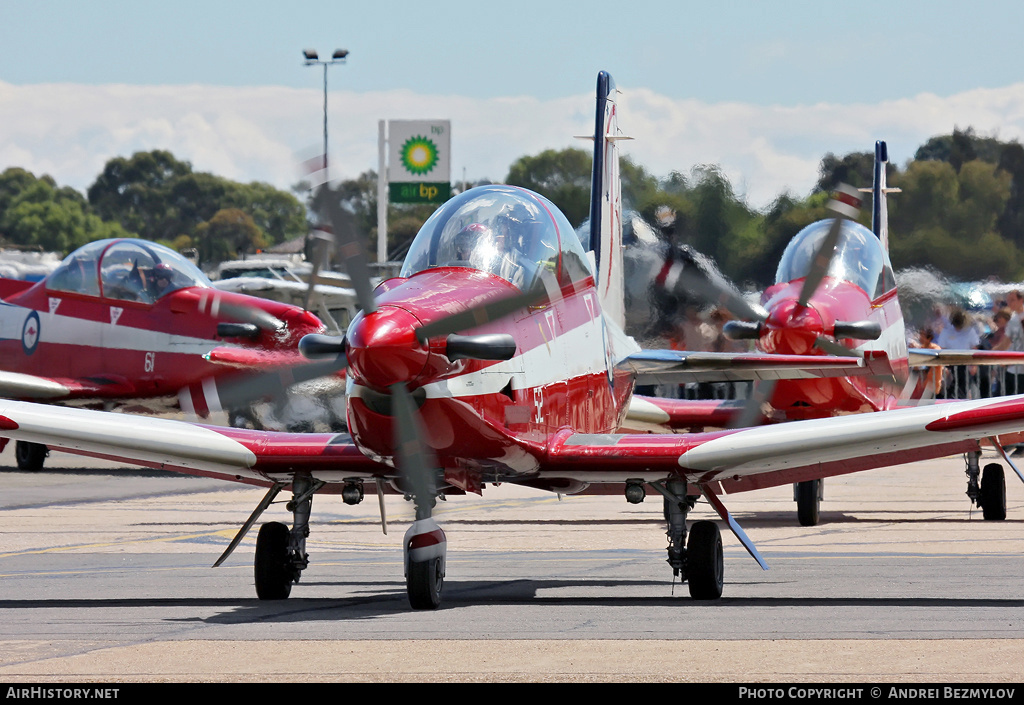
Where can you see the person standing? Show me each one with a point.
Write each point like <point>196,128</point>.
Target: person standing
<point>1015,331</point>
<point>960,335</point>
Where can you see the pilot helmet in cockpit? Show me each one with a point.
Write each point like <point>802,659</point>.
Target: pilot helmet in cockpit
<point>468,239</point>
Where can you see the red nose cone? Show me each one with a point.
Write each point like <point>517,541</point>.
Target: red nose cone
<point>383,349</point>
<point>792,329</point>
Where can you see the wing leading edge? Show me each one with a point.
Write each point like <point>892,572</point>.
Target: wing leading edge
<point>765,456</point>
<point>258,457</point>
<point>681,366</point>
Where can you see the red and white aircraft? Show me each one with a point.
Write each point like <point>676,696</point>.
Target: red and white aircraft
<point>834,292</point>
<point>129,322</point>
<point>493,358</point>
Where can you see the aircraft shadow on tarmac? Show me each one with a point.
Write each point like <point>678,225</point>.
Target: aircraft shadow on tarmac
<point>387,599</point>
<point>766,520</point>
<point>126,471</point>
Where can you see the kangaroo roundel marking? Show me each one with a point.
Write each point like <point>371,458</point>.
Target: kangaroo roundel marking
<point>30,333</point>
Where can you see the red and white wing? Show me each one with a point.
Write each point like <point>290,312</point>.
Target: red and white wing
<point>241,455</point>
<point>24,386</point>
<point>752,458</point>
<point>663,414</point>
<point>681,366</point>
<point>923,357</point>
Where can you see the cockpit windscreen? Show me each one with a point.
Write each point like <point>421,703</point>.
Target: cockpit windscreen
<point>859,257</point>
<point>506,231</point>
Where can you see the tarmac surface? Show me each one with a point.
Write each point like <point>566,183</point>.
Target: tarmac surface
<point>106,577</point>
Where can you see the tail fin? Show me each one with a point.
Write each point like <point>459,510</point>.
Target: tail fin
<point>606,203</point>
<point>879,207</point>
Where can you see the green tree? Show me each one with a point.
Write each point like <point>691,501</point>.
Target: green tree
<point>163,199</point>
<point>561,176</point>
<point>856,169</point>
<point>959,147</point>
<point>36,212</point>
<point>132,191</point>
<point>227,235</point>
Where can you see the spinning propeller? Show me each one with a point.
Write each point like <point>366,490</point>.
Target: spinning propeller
<point>795,322</point>
<point>793,326</point>
<point>386,348</point>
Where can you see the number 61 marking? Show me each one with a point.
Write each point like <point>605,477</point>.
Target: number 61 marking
<point>150,361</point>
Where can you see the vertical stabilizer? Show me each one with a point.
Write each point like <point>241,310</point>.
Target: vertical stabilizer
<point>606,203</point>
<point>879,209</point>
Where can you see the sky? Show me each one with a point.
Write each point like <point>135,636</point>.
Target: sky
<point>762,89</point>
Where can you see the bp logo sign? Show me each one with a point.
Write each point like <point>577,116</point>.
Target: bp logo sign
<point>419,161</point>
<point>419,155</point>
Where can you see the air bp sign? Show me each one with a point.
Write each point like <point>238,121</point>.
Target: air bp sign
<point>419,163</point>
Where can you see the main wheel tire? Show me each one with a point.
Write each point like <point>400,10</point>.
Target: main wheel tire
<point>424,583</point>
<point>271,569</point>
<point>30,456</point>
<point>705,564</point>
<point>808,505</point>
<point>993,492</point>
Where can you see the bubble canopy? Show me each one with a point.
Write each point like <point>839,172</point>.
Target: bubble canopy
<point>128,270</point>
<point>859,259</point>
<point>506,231</point>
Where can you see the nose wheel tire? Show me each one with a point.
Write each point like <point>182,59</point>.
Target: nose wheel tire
<point>993,492</point>
<point>272,568</point>
<point>424,582</point>
<point>705,565</point>
<point>30,456</point>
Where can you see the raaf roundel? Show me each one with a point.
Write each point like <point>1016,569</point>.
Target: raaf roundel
<point>487,360</point>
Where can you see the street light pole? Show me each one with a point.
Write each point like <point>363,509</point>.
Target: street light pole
<point>312,59</point>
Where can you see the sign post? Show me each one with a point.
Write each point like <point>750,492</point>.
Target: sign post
<point>418,167</point>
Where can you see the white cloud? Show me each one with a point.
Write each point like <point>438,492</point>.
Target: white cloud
<point>69,131</point>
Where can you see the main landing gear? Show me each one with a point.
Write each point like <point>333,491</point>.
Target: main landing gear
<point>990,493</point>
<point>30,456</point>
<point>698,561</point>
<point>808,496</point>
<point>281,553</point>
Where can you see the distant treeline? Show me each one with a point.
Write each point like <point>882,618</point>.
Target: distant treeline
<point>154,196</point>
<point>961,209</point>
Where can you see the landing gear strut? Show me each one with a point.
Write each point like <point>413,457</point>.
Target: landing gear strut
<point>425,554</point>
<point>698,561</point>
<point>281,553</point>
<point>990,493</point>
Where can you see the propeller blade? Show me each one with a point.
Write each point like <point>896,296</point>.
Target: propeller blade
<point>846,205</point>
<point>245,314</point>
<point>321,244</point>
<point>681,275</point>
<point>479,315</point>
<point>415,460</point>
<point>821,262</point>
<point>752,413</point>
<point>242,390</point>
<point>350,246</point>
<point>834,348</point>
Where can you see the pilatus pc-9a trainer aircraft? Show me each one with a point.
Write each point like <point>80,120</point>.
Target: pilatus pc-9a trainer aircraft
<point>134,324</point>
<point>834,292</point>
<point>496,357</point>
